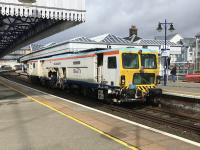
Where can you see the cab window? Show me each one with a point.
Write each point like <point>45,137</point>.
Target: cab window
<point>148,61</point>
<point>33,65</point>
<point>112,62</point>
<point>130,61</point>
<point>143,78</point>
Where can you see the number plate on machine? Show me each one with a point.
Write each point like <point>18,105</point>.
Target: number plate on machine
<point>100,94</point>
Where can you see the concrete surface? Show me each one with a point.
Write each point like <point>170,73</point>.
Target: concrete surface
<point>183,89</point>
<point>32,124</point>
<point>27,125</point>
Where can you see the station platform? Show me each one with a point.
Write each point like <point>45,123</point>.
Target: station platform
<point>32,119</point>
<point>182,89</point>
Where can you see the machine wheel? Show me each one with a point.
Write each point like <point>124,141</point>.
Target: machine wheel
<point>155,101</point>
<point>83,91</point>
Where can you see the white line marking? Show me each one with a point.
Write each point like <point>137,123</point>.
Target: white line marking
<point>119,118</point>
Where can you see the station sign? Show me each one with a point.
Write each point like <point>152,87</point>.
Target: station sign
<point>165,52</point>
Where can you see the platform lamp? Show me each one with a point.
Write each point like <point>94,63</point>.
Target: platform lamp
<point>196,68</point>
<point>171,28</point>
<point>27,3</point>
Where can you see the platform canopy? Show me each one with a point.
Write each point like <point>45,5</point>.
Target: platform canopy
<point>26,21</point>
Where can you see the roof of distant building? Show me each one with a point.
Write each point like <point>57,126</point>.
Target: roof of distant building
<point>109,38</point>
<point>154,42</point>
<point>81,39</point>
<point>133,38</point>
<point>11,57</point>
<point>188,41</point>
<point>49,44</point>
<point>26,47</point>
<point>102,39</point>
<point>36,47</point>
<point>198,34</point>
<point>169,37</point>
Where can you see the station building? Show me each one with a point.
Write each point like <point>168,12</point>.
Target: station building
<point>188,59</point>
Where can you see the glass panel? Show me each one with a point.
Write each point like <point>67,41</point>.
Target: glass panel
<point>130,61</point>
<point>148,61</point>
<point>143,78</point>
<point>112,62</point>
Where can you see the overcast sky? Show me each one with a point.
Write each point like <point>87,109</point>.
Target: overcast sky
<point>116,17</point>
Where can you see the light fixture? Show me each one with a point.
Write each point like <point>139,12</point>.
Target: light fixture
<point>27,1</point>
<point>171,28</point>
<point>159,27</point>
<point>140,52</point>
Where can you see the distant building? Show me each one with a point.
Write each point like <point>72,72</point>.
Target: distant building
<point>12,58</point>
<point>188,50</point>
<point>83,43</point>
<point>35,47</point>
<point>189,59</point>
<point>197,53</point>
<point>175,38</point>
<point>133,34</point>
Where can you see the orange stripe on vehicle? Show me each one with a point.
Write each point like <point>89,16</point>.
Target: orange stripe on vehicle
<point>111,53</point>
<point>33,61</point>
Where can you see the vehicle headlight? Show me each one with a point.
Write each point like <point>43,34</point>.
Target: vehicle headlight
<point>123,80</point>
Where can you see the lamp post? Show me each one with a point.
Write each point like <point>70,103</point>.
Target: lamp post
<point>196,54</point>
<point>171,28</point>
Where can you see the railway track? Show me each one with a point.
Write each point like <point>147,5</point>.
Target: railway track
<point>151,114</point>
<point>161,117</point>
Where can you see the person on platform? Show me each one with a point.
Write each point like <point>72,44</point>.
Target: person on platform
<point>173,73</point>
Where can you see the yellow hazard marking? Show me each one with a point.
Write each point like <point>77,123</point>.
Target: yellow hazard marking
<point>145,88</point>
<point>76,120</point>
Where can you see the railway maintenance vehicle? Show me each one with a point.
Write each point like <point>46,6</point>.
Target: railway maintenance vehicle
<point>114,75</point>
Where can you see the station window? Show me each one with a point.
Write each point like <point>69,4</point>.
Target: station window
<point>109,46</point>
<point>144,46</point>
<point>112,62</point>
<point>33,65</point>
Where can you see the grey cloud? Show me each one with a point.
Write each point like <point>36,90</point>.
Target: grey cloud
<point>116,16</point>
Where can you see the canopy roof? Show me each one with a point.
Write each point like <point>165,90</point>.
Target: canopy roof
<point>25,23</point>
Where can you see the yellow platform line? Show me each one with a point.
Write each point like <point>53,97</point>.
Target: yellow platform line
<point>76,120</point>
